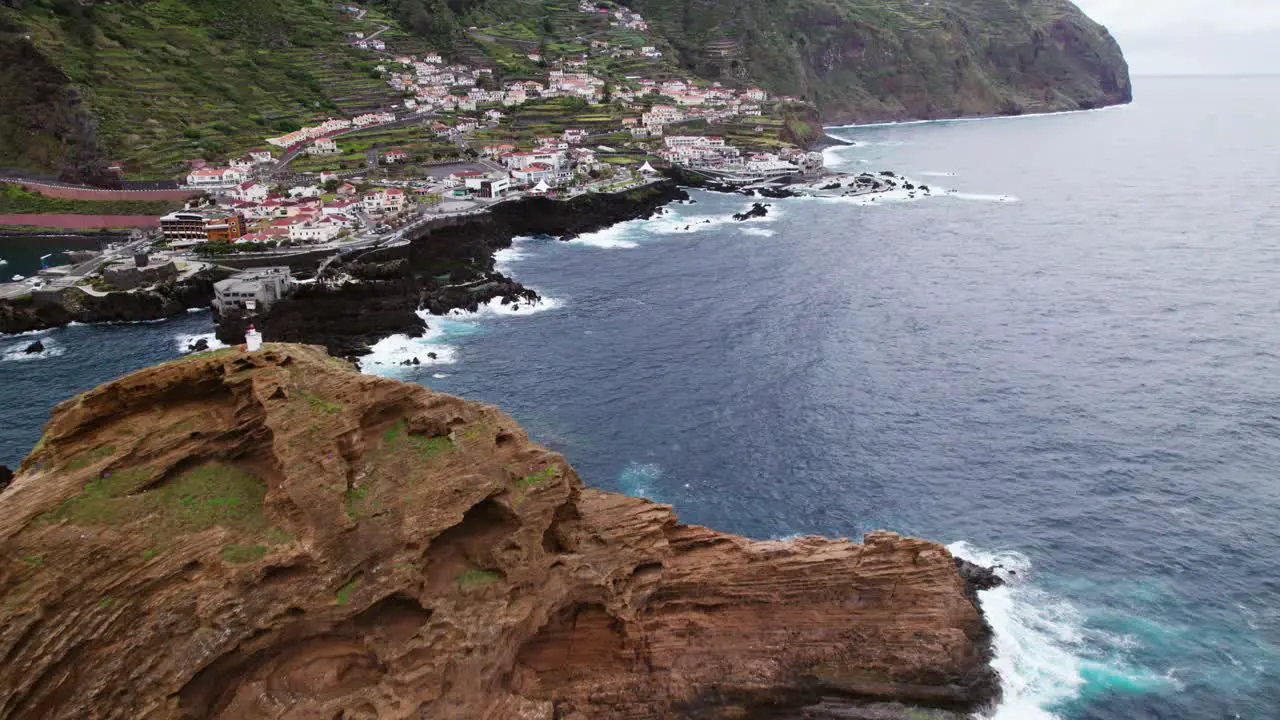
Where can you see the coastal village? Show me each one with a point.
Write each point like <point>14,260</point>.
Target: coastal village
<point>606,114</point>
<point>302,188</point>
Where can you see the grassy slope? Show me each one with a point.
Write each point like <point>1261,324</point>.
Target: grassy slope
<point>153,82</point>
<point>172,79</point>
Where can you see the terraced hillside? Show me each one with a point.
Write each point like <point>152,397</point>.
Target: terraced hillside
<point>154,83</point>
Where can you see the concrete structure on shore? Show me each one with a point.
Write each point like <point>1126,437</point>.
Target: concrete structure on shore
<point>127,274</point>
<point>251,292</point>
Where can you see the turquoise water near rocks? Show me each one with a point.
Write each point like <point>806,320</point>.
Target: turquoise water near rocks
<point>1068,366</point>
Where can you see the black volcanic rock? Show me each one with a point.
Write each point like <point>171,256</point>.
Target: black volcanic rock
<point>448,265</point>
<point>73,305</point>
<point>34,348</point>
<point>977,577</point>
<point>757,210</point>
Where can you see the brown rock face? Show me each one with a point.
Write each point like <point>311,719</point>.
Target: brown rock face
<point>271,535</point>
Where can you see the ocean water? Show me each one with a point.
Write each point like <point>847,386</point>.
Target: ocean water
<point>1063,362</point>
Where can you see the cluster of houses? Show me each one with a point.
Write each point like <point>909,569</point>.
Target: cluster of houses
<point>322,133</point>
<point>713,153</point>
<point>618,15</point>
<point>251,212</point>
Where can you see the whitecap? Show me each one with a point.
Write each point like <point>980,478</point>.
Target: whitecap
<point>979,197</point>
<point>935,173</point>
<point>757,231</point>
<point>3,261</point>
<point>504,258</point>
<point>688,224</point>
<point>610,238</point>
<point>439,376</point>
<point>18,353</point>
<point>1045,654</point>
<point>495,308</point>
<point>387,354</point>
<point>184,342</point>
<point>197,309</point>
<point>985,118</point>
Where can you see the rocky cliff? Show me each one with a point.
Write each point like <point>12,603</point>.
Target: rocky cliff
<point>876,60</point>
<point>41,312</point>
<point>271,535</point>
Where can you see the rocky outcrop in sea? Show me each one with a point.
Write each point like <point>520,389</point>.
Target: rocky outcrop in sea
<point>233,534</point>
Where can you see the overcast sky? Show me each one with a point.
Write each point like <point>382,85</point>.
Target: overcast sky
<point>1164,37</point>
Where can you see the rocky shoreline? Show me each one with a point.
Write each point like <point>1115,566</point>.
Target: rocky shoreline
<point>232,533</point>
<point>443,268</point>
<point>43,311</point>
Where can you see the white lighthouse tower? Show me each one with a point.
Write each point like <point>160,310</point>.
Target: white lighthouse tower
<point>252,340</point>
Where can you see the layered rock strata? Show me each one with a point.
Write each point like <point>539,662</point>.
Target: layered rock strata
<point>271,535</point>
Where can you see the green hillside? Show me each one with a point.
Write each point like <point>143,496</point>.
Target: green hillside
<point>154,82</point>
<point>864,60</point>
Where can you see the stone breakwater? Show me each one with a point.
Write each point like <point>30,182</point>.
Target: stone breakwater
<point>234,533</point>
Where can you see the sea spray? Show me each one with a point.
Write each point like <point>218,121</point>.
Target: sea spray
<point>18,352</point>
<point>389,355</point>
<point>1046,653</point>
<point>184,342</point>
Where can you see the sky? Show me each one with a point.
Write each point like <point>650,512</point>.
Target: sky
<point>1197,37</point>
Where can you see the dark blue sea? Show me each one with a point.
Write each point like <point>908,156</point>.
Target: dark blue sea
<point>1067,360</point>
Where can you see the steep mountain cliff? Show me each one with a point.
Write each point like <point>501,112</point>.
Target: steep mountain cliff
<point>152,83</point>
<point>271,535</point>
<point>872,60</point>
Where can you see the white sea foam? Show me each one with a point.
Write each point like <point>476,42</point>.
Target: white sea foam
<point>18,278</point>
<point>935,173</point>
<point>611,238</point>
<point>18,352</point>
<point>980,197</point>
<point>388,353</point>
<point>504,258</point>
<point>976,119</point>
<point>439,376</point>
<point>1044,652</point>
<point>1035,636</point>
<point>757,231</point>
<point>688,224</point>
<point>186,341</point>
<point>3,261</point>
<point>495,308</point>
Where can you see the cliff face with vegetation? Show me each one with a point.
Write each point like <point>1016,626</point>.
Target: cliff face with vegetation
<point>875,60</point>
<point>154,82</point>
<point>268,535</point>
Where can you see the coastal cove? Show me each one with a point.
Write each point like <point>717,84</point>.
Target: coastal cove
<point>1061,367</point>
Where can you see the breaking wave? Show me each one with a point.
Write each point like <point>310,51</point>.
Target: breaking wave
<point>18,352</point>
<point>1045,653</point>
<point>184,342</point>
